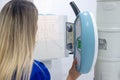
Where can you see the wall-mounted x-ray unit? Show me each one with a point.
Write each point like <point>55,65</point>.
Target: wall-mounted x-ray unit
<point>84,40</point>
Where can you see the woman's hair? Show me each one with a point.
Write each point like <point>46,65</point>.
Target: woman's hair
<point>18,26</point>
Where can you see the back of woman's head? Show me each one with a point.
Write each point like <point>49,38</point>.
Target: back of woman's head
<point>18,25</point>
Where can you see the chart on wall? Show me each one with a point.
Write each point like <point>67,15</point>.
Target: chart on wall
<point>50,39</point>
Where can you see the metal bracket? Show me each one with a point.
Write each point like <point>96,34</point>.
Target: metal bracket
<point>70,37</point>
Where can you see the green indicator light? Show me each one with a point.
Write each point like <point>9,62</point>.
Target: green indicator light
<point>79,44</point>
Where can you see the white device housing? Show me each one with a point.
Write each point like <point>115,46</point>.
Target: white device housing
<point>108,22</point>
<point>51,37</point>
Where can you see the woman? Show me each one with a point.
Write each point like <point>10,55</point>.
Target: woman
<point>18,27</point>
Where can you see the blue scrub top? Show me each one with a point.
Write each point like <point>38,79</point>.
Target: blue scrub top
<point>39,71</point>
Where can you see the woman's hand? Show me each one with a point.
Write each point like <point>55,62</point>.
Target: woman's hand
<point>73,73</point>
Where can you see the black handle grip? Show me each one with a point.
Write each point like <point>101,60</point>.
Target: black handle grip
<point>75,8</point>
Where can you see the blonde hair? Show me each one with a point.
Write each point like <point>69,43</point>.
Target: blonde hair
<point>18,25</point>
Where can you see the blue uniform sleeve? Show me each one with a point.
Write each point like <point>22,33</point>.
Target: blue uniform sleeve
<point>39,71</point>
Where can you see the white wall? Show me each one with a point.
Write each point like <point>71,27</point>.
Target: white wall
<point>60,67</point>
<point>2,3</point>
<point>62,7</point>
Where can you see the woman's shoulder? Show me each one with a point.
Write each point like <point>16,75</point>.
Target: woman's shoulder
<point>39,71</point>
